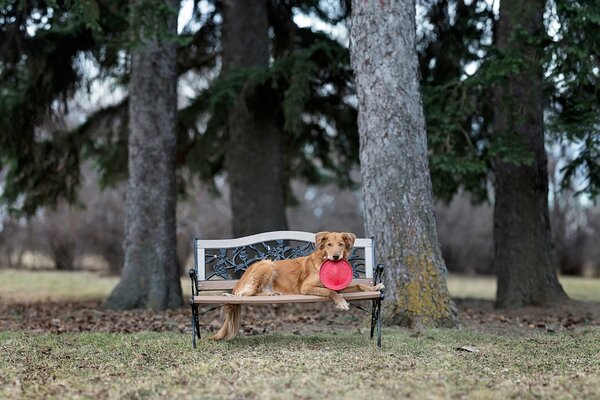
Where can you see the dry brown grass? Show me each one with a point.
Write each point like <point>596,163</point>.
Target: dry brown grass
<point>343,366</point>
<point>531,364</point>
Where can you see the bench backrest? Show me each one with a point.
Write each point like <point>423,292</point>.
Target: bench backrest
<point>219,263</point>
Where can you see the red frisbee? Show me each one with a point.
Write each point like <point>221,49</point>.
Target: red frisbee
<point>336,275</point>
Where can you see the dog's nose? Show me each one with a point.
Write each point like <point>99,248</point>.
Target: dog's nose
<point>336,257</point>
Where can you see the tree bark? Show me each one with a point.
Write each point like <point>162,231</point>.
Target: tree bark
<point>394,166</point>
<point>150,276</point>
<point>254,155</point>
<point>522,241</point>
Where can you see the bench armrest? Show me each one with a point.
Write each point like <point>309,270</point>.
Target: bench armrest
<point>378,276</point>
<point>194,279</point>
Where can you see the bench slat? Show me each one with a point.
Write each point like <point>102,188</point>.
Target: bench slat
<point>288,298</point>
<point>268,236</point>
<point>230,283</point>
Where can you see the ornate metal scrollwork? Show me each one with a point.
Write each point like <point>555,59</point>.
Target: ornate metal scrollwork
<point>230,263</point>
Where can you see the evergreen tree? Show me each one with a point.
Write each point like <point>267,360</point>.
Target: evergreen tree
<point>457,36</point>
<point>254,153</point>
<point>461,116</point>
<point>522,241</point>
<point>150,276</point>
<point>458,107</point>
<point>305,89</point>
<point>572,87</point>
<point>40,70</point>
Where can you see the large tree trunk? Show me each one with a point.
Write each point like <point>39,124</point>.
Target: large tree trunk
<point>254,156</point>
<point>522,256</point>
<point>393,156</point>
<point>150,276</point>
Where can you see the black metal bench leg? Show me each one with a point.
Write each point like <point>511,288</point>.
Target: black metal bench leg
<point>379,324</point>
<point>195,316</point>
<point>195,324</point>
<point>193,332</point>
<point>378,278</point>
<point>373,317</point>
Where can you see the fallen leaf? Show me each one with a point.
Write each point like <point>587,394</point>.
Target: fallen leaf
<point>469,349</point>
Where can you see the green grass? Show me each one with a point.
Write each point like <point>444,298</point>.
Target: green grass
<point>484,287</point>
<point>26,285</point>
<point>30,286</point>
<point>93,365</point>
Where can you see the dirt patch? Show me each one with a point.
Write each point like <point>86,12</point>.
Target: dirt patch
<point>480,315</point>
<point>88,315</point>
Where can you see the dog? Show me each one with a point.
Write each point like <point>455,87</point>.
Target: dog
<point>295,276</point>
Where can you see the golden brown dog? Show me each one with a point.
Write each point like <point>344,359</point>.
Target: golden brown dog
<point>295,276</point>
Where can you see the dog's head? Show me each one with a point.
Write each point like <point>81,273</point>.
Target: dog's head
<point>335,245</point>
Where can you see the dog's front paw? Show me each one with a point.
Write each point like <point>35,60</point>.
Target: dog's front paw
<point>379,286</point>
<point>343,306</point>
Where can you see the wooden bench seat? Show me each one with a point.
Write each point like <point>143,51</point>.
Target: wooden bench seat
<point>229,284</point>
<point>281,299</point>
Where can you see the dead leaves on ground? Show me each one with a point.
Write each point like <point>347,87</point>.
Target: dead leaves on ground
<point>80,316</point>
<point>566,317</point>
<point>88,315</point>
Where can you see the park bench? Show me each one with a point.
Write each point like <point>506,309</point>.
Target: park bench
<point>218,264</point>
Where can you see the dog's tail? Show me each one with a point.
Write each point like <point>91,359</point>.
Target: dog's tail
<point>231,324</point>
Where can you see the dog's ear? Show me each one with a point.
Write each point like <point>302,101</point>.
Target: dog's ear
<point>320,239</point>
<point>349,239</point>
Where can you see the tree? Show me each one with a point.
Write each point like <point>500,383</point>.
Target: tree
<point>460,65</point>
<point>522,240</point>
<point>572,83</point>
<point>254,152</point>
<point>39,60</point>
<point>150,276</point>
<point>394,167</point>
<point>460,105</point>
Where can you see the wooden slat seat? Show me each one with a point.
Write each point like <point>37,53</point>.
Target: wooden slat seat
<point>230,283</point>
<point>280,299</point>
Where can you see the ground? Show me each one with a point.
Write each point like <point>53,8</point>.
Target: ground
<point>57,342</point>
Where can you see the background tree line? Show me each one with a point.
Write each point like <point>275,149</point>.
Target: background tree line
<point>465,229</point>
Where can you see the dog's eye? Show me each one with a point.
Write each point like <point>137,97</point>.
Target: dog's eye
<point>329,244</point>
<point>340,244</point>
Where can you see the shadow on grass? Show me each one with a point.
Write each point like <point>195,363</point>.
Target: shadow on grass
<point>287,341</point>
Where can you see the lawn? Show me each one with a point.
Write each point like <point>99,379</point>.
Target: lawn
<point>51,285</point>
<point>529,364</point>
<point>484,287</point>
<point>152,365</point>
<point>28,286</point>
